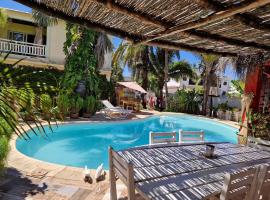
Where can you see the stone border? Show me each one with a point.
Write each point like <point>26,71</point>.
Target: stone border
<point>28,165</point>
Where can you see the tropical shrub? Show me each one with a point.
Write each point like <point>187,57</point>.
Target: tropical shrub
<point>90,105</point>
<point>46,105</point>
<point>76,104</point>
<point>63,104</point>
<point>17,102</point>
<point>185,101</point>
<point>224,106</point>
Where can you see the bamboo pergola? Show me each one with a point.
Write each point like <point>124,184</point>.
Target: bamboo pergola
<point>224,27</point>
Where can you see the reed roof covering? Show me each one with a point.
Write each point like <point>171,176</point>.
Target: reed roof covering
<point>225,27</point>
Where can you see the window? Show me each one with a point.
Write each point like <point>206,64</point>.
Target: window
<point>223,93</point>
<point>17,36</point>
<point>225,83</point>
<point>219,85</point>
<point>30,38</point>
<point>184,78</point>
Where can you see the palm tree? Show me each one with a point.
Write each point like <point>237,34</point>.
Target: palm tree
<point>136,57</point>
<point>175,70</point>
<point>208,67</point>
<point>102,45</point>
<point>42,21</point>
<point>211,66</point>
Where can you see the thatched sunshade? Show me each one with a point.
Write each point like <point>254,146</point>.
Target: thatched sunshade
<point>222,27</point>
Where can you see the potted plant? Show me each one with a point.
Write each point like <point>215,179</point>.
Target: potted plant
<point>63,105</point>
<point>89,106</point>
<point>228,114</point>
<point>221,113</point>
<point>46,105</point>
<point>76,104</point>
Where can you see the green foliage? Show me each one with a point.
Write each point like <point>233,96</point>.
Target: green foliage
<point>238,87</point>
<point>76,104</point>
<point>224,106</point>
<point>117,73</point>
<point>184,101</point>
<point>107,88</point>
<point>260,125</point>
<point>90,104</point>
<point>43,78</point>
<point>81,63</point>
<point>17,100</point>
<point>16,96</point>
<point>179,69</point>
<point>4,148</point>
<point>46,103</point>
<point>63,104</point>
<point>43,20</point>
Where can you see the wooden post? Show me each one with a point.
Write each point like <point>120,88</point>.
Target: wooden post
<point>166,71</point>
<point>131,183</point>
<point>113,192</point>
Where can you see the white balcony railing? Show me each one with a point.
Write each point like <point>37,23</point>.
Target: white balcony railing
<point>22,48</point>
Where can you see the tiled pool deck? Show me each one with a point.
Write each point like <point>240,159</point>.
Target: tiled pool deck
<point>31,179</point>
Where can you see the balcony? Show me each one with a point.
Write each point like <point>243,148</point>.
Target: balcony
<point>22,48</point>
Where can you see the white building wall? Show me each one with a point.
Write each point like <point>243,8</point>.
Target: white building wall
<point>56,36</point>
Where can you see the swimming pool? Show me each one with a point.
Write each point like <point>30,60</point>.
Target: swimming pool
<point>87,143</point>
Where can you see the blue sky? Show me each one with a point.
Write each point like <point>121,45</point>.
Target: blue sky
<point>185,55</point>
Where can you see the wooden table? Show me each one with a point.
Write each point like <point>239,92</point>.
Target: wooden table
<point>180,172</point>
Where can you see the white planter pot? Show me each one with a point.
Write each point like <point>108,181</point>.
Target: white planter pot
<point>228,115</point>
<point>237,116</point>
<point>221,114</point>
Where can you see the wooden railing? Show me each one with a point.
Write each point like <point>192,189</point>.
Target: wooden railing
<point>22,48</point>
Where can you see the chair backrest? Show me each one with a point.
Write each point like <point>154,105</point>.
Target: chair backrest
<point>191,136</point>
<point>239,185</point>
<point>107,104</point>
<point>259,143</point>
<point>162,137</point>
<point>124,170</point>
<point>263,186</point>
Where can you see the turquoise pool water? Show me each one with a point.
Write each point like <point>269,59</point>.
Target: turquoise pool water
<point>87,143</point>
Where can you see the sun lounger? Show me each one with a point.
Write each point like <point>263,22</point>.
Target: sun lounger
<point>114,112</point>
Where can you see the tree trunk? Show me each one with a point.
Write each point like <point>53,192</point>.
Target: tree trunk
<point>145,78</point>
<point>205,94</point>
<point>160,87</point>
<point>166,78</point>
<point>39,35</point>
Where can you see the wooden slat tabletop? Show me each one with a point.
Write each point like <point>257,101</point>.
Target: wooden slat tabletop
<point>181,172</point>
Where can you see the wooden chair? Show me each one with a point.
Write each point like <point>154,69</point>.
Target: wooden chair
<point>122,169</point>
<point>162,137</point>
<point>263,184</point>
<point>259,143</point>
<point>239,185</point>
<point>191,136</point>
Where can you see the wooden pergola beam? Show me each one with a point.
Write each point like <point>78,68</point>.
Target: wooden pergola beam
<point>244,7</point>
<point>110,4</point>
<point>230,41</point>
<point>116,32</point>
<point>245,18</point>
<point>182,46</point>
